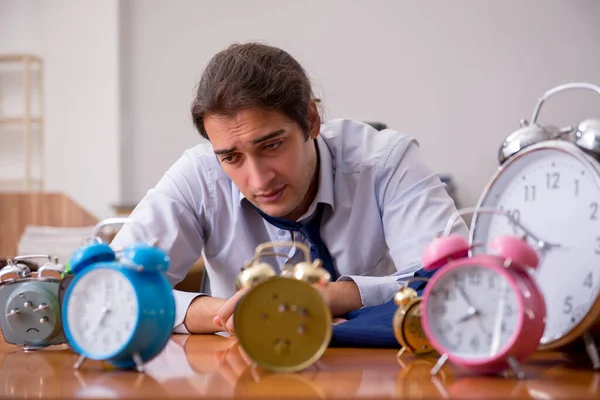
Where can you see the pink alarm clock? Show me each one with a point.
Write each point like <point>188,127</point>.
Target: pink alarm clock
<point>484,313</point>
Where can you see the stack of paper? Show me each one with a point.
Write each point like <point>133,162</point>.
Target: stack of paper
<point>54,241</point>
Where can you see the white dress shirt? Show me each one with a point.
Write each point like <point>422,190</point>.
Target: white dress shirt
<point>384,205</point>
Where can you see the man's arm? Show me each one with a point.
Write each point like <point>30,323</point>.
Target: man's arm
<point>415,207</point>
<point>341,297</point>
<point>173,212</point>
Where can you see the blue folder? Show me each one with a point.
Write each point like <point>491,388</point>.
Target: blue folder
<point>372,326</point>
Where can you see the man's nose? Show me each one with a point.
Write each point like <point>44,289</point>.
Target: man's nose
<point>260,175</point>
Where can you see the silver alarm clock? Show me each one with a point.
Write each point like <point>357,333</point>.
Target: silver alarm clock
<point>549,180</point>
<point>31,313</point>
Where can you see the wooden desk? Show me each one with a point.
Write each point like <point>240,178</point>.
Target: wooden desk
<point>209,366</point>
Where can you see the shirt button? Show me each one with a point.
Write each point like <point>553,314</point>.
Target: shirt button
<point>281,232</point>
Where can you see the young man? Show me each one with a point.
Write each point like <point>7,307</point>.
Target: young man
<point>363,199</point>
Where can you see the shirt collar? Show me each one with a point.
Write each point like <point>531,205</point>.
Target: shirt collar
<point>325,192</point>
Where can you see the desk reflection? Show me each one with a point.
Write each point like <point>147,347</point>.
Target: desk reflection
<point>33,374</point>
<point>214,366</point>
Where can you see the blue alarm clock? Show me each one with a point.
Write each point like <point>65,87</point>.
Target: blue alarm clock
<point>119,307</point>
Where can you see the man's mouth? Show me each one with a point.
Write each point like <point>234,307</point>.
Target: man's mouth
<point>272,196</point>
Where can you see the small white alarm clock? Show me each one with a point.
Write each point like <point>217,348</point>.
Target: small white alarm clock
<point>119,308</point>
<point>549,179</point>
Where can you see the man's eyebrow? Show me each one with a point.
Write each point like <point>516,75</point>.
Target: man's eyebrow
<point>225,151</point>
<point>255,141</point>
<point>268,136</point>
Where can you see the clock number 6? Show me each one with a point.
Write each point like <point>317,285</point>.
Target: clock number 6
<point>588,281</point>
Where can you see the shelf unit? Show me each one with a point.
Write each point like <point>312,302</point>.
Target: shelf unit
<point>31,67</point>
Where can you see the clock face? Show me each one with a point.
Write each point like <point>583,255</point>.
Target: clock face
<point>413,331</point>
<point>473,312</point>
<point>102,312</point>
<point>554,194</point>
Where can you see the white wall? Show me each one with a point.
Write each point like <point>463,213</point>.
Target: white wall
<point>457,75</point>
<point>20,30</point>
<point>79,42</point>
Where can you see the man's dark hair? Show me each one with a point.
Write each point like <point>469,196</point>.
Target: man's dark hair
<point>252,75</point>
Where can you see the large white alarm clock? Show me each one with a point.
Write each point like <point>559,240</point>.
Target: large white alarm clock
<point>549,179</point>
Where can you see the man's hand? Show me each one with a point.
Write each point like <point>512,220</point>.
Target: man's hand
<point>224,317</point>
<point>211,314</point>
<point>341,297</point>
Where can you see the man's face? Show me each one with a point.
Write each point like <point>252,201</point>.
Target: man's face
<point>267,157</point>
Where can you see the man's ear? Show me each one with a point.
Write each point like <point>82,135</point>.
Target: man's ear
<point>314,120</point>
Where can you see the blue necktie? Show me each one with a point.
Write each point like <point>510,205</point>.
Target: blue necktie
<point>312,232</point>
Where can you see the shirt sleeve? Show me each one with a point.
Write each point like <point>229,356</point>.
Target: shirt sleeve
<point>415,206</point>
<point>173,213</point>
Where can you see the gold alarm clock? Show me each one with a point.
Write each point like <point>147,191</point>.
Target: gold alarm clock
<point>407,321</point>
<point>283,322</point>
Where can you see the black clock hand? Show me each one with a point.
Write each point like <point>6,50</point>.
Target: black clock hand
<point>473,311</point>
<point>103,311</point>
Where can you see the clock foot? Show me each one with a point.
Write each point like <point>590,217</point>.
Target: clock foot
<point>28,348</point>
<point>80,361</point>
<point>254,372</point>
<point>139,363</point>
<point>402,350</point>
<point>592,350</point>
<point>439,364</point>
<point>516,367</point>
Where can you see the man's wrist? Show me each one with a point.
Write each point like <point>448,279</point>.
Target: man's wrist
<point>200,314</point>
<point>342,297</point>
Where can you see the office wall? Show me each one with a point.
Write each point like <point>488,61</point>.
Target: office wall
<point>457,75</point>
<point>79,42</point>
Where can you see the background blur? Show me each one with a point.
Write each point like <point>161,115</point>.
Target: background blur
<point>119,76</point>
